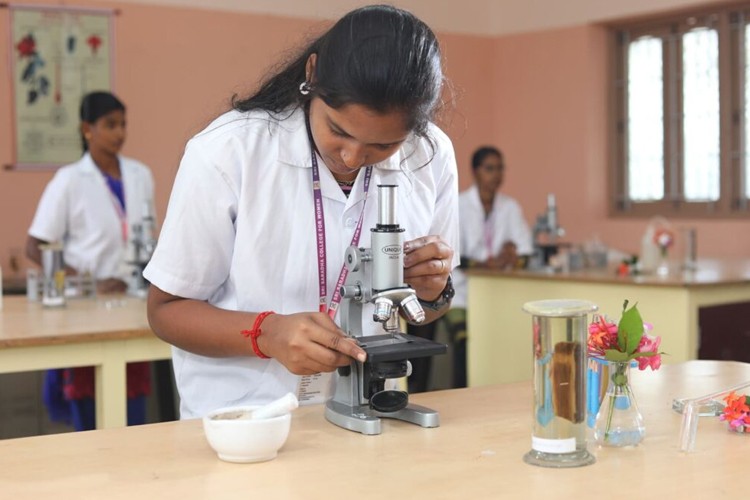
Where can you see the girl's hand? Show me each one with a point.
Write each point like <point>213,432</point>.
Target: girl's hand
<point>307,343</point>
<point>427,265</point>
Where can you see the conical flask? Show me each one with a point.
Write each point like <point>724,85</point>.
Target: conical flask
<point>558,436</point>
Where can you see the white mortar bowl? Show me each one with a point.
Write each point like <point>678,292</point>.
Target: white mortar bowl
<point>244,440</point>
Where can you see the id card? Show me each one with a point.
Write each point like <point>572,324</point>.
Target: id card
<point>314,389</point>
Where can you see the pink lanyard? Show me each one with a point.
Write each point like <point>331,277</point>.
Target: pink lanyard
<point>488,235</point>
<point>320,229</point>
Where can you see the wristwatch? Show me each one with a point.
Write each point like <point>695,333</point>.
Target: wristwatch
<point>443,299</point>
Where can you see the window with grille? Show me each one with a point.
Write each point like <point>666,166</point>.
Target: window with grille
<point>682,144</point>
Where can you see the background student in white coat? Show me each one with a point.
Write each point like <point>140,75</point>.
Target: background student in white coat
<point>240,240</point>
<point>494,235</point>
<point>90,207</point>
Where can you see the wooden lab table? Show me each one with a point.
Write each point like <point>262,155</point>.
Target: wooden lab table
<point>106,333</point>
<point>475,453</point>
<point>499,349</point>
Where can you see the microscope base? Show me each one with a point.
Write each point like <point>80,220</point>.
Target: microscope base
<point>365,420</point>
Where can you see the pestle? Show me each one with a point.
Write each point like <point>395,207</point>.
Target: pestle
<point>281,406</point>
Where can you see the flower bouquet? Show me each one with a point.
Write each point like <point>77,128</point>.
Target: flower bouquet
<point>737,412</point>
<point>664,239</point>
<point>618,421</point>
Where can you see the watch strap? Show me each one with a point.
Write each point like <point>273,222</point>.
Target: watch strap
<point>443,299</point>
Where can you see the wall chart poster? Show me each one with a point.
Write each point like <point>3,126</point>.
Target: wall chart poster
<point>59,55</point>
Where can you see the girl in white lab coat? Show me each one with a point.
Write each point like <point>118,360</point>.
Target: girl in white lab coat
<point>269,196</point>
<point>494,235</point>
<point>89,206</point>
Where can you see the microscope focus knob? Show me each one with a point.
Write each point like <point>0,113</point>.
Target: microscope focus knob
<point>351,292</point>
<point>352,258</point>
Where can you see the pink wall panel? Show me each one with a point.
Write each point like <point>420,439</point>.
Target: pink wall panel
<point>469,118</point>
<point>550,105</point>
<point>541,97</point>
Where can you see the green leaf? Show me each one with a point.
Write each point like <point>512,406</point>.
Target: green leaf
<point>630,329</point>
<point>615,355</point>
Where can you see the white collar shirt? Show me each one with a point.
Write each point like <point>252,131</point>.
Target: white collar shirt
<point>240,234</point>
<point>78,209</point>
<point>483,237</point>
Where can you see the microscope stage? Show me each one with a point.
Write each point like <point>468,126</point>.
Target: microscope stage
<point>399,347</point>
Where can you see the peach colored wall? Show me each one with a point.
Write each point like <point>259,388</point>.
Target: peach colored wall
<point>544,101</point>
<point>176,68</point>
<point>540,96</point>
<point>468,118</point>
<point>550,107</point>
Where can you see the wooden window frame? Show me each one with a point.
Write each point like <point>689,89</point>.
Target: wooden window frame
<point>730,24</point>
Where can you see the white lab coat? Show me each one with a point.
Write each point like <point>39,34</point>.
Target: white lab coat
<point>240,233</point>
<point>505,223</point>
<point>77,209</point>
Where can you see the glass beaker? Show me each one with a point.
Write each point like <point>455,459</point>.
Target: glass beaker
<point>32,285</point>
<point>560,330</point>
<point>53,270</point>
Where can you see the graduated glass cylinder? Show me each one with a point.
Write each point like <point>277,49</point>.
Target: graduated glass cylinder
<point>53,269</point>
<point>619,422</point>
<point>560,330</point>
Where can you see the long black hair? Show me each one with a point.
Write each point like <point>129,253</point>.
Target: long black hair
<point>377,56</point>
<point>95,105</point>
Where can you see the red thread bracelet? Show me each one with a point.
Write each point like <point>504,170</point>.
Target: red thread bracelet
<point>255,332</point>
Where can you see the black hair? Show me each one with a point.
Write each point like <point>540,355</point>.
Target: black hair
<point>378,56</point>
<point>94,105</point>
<point>480,154</point>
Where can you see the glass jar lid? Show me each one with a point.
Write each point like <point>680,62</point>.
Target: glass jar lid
<point>560,308</point>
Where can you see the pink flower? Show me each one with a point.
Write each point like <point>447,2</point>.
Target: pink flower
<point>663,238</point>
<point>601,325</point>
<point>616,342</point>
<point>602,336</point>
<point>737,410</point>
<point>739,422</point>
<point>649,343</point>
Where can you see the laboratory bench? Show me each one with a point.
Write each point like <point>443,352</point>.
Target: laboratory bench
<point>475,453</point>
<point>699,313</point>
<point>105,332</point>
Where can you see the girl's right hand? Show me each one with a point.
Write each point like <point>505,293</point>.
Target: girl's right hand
<point>307,343</point>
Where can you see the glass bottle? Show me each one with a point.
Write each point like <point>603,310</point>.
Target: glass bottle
<point>662,268</point>
<point>53,289</point>
<point>619,422</point>
<point>559,355</point>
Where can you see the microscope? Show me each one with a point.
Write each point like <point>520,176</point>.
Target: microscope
<point>144,243</point>
<point>376,276</point>
<point>546,232</point>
